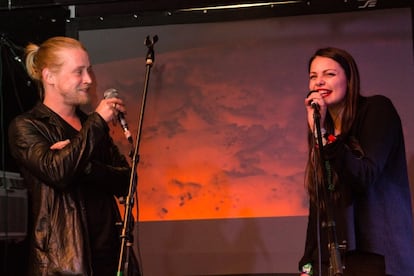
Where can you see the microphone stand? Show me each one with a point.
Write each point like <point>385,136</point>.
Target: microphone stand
<point>126,238</point>
<point>335,263</point>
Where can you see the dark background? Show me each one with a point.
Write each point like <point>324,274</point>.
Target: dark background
<point>34,21</point>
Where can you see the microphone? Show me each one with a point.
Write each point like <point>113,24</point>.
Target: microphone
<point>312,103</point>
<point>113,93</point>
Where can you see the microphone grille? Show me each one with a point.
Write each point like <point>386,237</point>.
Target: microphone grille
<point>111,93</point>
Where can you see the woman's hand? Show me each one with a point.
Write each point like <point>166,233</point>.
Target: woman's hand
<point>315,101</point>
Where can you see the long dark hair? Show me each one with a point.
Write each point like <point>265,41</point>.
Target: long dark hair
<point>347,62</point>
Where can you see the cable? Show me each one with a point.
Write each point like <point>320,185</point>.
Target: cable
<point>3,163</point>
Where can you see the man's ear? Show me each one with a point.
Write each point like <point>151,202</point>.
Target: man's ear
<point>48,76</point>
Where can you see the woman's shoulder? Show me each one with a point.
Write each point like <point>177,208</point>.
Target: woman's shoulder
<point>376,102</point>
<point>378,107</point>
<point>377,99</point>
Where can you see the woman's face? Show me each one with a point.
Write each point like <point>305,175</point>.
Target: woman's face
<point>328,78</point>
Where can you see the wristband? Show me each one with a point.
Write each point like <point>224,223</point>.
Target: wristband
<point>323,132</point>
<point>326,138</point>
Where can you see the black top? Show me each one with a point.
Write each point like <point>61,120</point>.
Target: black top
<point>374,213</point>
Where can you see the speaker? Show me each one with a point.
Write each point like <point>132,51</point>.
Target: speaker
<point>13,207</point>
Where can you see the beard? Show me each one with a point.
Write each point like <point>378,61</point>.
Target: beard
<point>79,97</point>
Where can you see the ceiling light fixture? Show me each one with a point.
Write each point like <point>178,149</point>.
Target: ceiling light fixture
<point>238,6</point>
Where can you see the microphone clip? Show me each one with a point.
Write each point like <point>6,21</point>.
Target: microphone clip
<point>150,44</point>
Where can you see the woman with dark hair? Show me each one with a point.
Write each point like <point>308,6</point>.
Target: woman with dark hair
<point>361,169</point>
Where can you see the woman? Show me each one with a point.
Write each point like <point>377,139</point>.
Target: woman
<point>359,192</point>
<point>70,164</point>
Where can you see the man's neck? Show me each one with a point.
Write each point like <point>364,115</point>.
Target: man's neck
<point>67,112</point>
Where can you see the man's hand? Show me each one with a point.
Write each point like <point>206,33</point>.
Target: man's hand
<point>60,145</point>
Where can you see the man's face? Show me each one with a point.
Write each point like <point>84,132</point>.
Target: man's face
<point>73,79</point>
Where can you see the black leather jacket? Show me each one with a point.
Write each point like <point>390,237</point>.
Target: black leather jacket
<point>58,181</point>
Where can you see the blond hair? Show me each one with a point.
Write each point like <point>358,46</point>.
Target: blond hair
<point>47,56</point>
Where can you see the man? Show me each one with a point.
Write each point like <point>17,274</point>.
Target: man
<point>70,164</point>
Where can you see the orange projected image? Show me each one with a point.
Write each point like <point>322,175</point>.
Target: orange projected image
<point>224,129</point>
<point>221,136</point>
